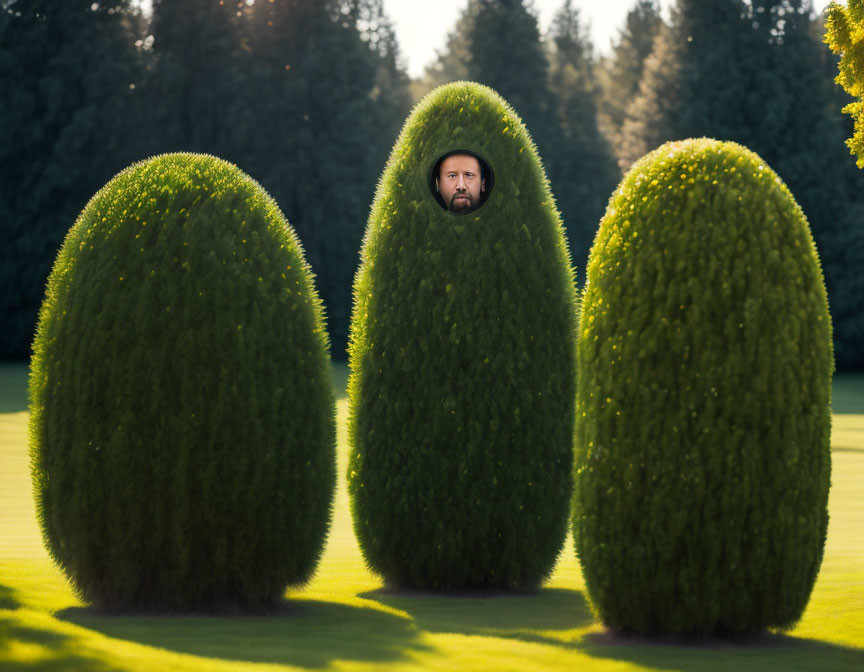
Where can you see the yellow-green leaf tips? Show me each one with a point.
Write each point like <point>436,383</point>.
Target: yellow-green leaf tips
<point>182,434</point>
<point>703,403</point>
<point>844,34</point>
<point>462,356</point>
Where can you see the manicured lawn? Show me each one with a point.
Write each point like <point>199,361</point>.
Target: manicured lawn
<point>344,620</point>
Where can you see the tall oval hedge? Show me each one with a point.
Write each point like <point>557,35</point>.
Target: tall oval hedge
<point>462,354</point>
<point>182,431</point>
<point>703,403</point>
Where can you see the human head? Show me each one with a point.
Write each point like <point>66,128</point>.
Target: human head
<point>460,182</point>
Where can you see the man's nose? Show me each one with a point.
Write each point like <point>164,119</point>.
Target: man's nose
<point>460,184</point>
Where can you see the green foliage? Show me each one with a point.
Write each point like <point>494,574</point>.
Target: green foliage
<point>580,162</point>
<point>462,356</point>
<point>329,103</point>
<point>506,54</point>
<point>452,62</point>
<point>196,67</point>
<point>89,87</point>
<point>552,85</point>
<point>755,73</point>
<point>845,35</point>
<point>703,402</point>
<point>66,69</point>
<point>182,432</point>
<point>692,81</point>
<point>622,72</point>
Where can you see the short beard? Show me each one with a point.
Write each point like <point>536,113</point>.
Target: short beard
<point>468,207</point>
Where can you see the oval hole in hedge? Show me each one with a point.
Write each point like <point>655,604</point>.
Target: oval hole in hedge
<point>486,173</point>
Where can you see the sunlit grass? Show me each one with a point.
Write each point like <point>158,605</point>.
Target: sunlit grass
<point>344,620</point>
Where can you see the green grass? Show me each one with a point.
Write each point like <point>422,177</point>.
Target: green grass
<point>344,620</point>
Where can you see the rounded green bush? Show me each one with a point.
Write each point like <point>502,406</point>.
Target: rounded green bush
<point>462,357</point>
<point>182,426</point>
<point>703,403</point>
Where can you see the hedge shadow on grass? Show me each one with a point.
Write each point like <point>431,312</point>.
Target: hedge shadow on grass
<point>57,652</point>
<point>545,617</point>
<point>526,616</point>
<point>303,633</point>
<point>768,652</point>
<point>7,598</point>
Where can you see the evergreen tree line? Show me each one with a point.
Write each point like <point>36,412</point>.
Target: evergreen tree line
<point>303,95</point>
<point>754,72</point>
<point>308,96</point>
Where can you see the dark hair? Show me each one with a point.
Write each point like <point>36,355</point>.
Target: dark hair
<point>485,173</point>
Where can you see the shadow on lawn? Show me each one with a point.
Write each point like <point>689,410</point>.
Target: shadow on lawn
<point>304,633</point>
<point>7,598</point>
<point>550,616</point>
<point>768,652</point>
<point>55,651</point>
<point>514,616</point>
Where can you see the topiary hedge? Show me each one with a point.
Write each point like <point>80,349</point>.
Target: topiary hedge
<point>182,428</point>
<point>462,356</point>
<point>703,403</point>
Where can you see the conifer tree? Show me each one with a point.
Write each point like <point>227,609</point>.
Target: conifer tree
<point>335,100</point>
<point>452,63</point>
<point>581,160</point>
<point>495,41</point>
<point>506,54</point>
<point>218,79</point>
<point>797,127</point>
<point>68,72</point>
<point>691,80</point>
<point>625,67</point>
<point>754,73</point>
<point>192,88</point>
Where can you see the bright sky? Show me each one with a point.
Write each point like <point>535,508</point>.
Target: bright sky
<point>422,25</point>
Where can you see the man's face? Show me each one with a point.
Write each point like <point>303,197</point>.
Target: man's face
<point>460,182</point>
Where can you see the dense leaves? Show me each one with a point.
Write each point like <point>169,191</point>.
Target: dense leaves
<point>308,95</point>
<point>317,137</point>
<point>182,432</point>
<point>845,35</point>
<point>506,54</point>
<point>304,95</point>
<point>622,71</point>
<point>580,161</point>
<point>551,84</point>
<point>194,77</point>
<point>755,73</point>
<point>703,403</point>
<point>462,355</point>
<point>67,73</point>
